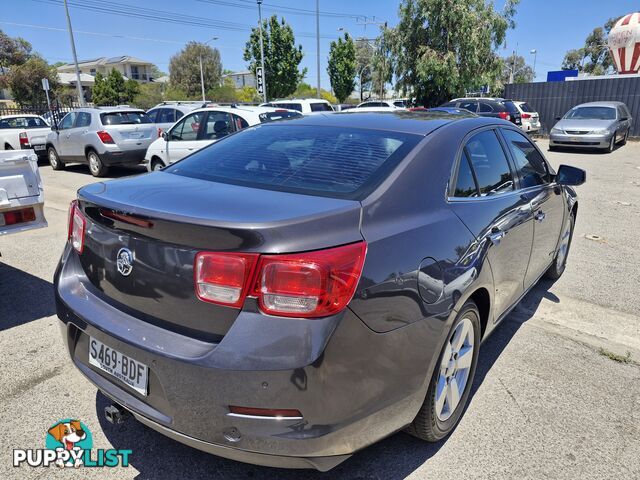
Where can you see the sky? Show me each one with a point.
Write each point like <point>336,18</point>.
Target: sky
<point>154,30</point>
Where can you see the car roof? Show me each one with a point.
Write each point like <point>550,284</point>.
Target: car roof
<point>28,115</point>
<point>418,123</point>
<point>600,104</point>
<point>242,109</point>
<point>298,100</point>
<point>109,109</point>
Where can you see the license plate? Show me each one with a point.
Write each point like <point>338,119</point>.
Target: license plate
<point>118,365</point>
<point>38,147</point>
<point>575,139</point>
<point>136,135</point>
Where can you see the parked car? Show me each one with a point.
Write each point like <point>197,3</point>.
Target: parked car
<point>100,137</point>
<point>302,105</point>
<point>21,192</point>
<point>530,118</point>
<point>165,114</point>
<point>390,104</point>
<point>23,132</point>
<point>451,110</point>
<point>295,292</point>
<point>488,107</point>
<point>205,126</point>
<point>600,125</point>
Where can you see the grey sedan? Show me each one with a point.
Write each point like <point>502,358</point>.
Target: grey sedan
<point>600,125</point>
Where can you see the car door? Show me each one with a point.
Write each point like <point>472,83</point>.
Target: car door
<point>63,135</point>
<point>182,138</point>
<point>546,200</point>
<point>487,202</point>
<point>76,136</point>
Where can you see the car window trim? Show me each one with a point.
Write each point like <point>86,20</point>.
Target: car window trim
<point>546,163</point>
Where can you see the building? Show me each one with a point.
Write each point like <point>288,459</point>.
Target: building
<point>130,67</point>
<point>241,79</point>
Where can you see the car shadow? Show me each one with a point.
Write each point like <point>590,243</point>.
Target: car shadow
<point>113,172</point>
<point>23,297</point>
<point>158,457</point>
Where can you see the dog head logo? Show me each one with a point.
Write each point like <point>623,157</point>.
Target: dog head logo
<point>71,435</point>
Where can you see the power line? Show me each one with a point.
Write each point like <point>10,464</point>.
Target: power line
<point>250,5</point>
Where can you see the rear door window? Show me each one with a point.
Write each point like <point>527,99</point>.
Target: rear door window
<point>83,120</point>
<point>484,107</point>
<point>320,107</point>
<point>525,107</point>
<point>490,164</point>
<point>465,185</point>
<point>530,165</point>
<point>218,125</point>
<point>239,122</point>
<point>330,161</point>
<point>152,114</point>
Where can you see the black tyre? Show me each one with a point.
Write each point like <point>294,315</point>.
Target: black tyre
<point>452,378</point>
<point>556,269</point>
<point>156,164</point>
<point>96,167</point>
<point>612,144</point>
<point>553,148</point>
<point>624,139</point>
<point>54,159</point>
<point>8,147</point>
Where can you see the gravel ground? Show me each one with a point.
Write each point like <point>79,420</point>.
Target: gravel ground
<point>547,403</point>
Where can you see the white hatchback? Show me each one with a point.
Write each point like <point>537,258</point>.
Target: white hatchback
<point>205,126</point>
<point>530,118</point>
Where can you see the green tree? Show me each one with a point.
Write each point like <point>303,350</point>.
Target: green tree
<point>443,48</point>
<point>522,73</point>
<point>149,95</point>
<point>184,68</point>
<point>248,95</point>
<point>342,67</point>
<point>224,93</point>
<point>113,89</point>
<point>594,56</point>
<point>101,94</point>
<point>13,51</point>
<point>281,57</point>
<point>24,80</point>
<point>364,65</point>
<point>131,89</point>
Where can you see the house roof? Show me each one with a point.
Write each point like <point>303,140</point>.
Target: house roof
<point>108,61</point>
<point>70,78</point>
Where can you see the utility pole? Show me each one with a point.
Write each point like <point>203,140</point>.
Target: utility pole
<point>75,57</point>
<point>384,27</point>
<point>202,78</point>
<point>264,72</point>
<point>534,52</point>
<point>318,46</point>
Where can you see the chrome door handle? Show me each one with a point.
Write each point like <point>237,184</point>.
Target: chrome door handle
<point>540,216</point>
<point>496,236</point>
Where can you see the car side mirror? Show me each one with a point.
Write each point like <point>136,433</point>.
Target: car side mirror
<point>165,136</point>
<point>571,175</point>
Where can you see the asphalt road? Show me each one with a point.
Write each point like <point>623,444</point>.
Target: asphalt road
<point>547,403</point>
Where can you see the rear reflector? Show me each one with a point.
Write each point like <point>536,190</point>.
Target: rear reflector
<point>105,137</point>
<point>125,218</point>
<point>77,227</point>
<point>15,217</point>
<point>223,278</point>
<point>24,140</point>
<point>265,412</point>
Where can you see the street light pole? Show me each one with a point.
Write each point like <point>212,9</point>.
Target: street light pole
<point>202,69</point>
<point>264,72</point>
<point>534,52</point>
<point>75,57</point>
<point>318,46</point>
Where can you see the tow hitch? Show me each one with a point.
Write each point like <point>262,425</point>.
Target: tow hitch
<point>115,414</point>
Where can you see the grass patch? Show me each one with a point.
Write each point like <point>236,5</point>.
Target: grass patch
<point>614,356</point>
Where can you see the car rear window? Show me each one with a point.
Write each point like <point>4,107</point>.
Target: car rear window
<point>510,106</point>
<point>525,107</point>
<point>292,106</point>
<point>278,115</point>
<point>124,118</point>
<point>325,161</point>
<point>320,107</point>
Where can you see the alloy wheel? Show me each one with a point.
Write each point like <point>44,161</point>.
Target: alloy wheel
<point>94,163</point>
<point>455,366</point>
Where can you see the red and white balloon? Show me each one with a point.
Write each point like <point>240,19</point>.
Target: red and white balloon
<point>624,43</point>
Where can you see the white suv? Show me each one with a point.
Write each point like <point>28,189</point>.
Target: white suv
<point>165,114</point>
<point>530,118</point>
<point>302,105</point>
<point>205,126</point>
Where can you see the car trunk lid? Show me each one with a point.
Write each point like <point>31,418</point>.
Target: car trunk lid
<point>164,220</point>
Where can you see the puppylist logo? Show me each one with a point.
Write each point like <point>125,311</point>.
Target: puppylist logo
<point>69,443</point>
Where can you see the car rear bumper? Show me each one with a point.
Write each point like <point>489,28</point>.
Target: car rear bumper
<point>126,157</point>
<point>579,141</point>
<point>351,385</point>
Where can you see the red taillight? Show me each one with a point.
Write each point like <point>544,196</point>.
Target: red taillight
<point>311,284</point>
<point>24,140</point>
<point>526,115</point>
<point>504,115</point>
<point>105,137</point>
<point>77,226</point>
<point>224,277</point>
<point>15,217</point>
<point>265,412</point>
